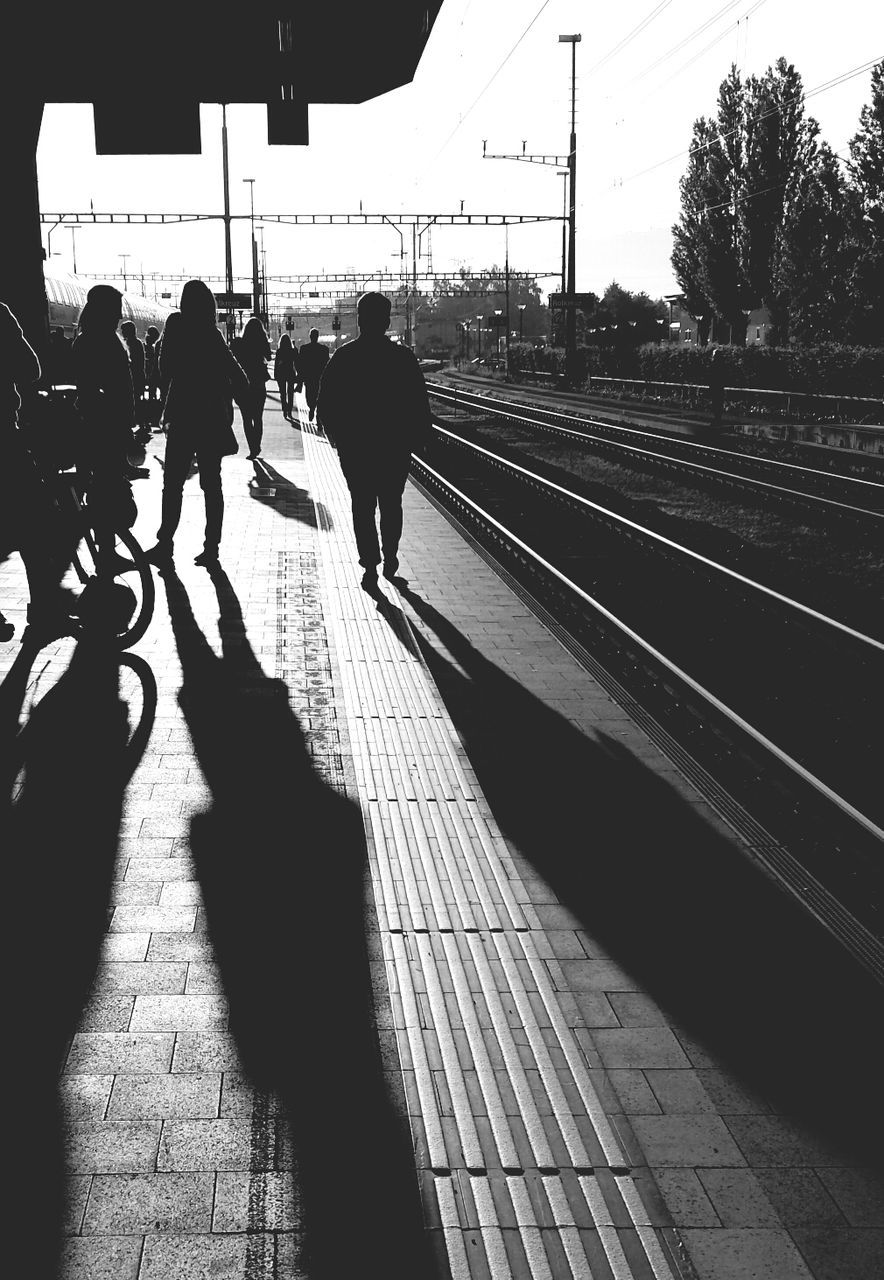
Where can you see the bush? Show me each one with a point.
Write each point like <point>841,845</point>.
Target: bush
<point>828,369</point>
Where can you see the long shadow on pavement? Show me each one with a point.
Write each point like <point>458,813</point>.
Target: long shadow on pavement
<point>281,860</point>
<point>63,782</point>
<point>739,967</point>
<point>287,498</point>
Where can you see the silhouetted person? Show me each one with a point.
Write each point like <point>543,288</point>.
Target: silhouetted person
<point>311,362</point>
<point>253,352</point>
<point>106,404</point>
<point>284,373</point>
<point>135,348</point>
<point>373,405</point>
<point>24,512</point>
<point>203,378</point>
<point>716,389</point>
<point>152,374</point>
<point>59,371</point>
<point>169,328</point>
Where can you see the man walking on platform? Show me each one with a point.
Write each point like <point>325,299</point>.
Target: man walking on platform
<point>374,407</point>
<point>311,361</point>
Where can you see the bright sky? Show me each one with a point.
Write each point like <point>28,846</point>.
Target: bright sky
<point>492,70</point>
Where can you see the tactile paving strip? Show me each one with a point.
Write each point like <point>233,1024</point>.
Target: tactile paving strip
<point>521,1170</point>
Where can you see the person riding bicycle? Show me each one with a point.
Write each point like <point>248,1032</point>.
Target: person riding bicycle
<point>106,405</point>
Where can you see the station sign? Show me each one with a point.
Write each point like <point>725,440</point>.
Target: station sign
<point>571,301</point>
<point>234,301</point>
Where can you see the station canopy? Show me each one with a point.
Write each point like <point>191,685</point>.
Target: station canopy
<point>147,67</point>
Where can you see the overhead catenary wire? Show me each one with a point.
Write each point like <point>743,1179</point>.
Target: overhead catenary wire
<point>676,48</point>
<point>627,39</point>
<point>711,45</point>
<point>479,97</point>
<point>810,93</point>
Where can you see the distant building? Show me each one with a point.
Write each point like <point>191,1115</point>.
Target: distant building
<point>683,327</point>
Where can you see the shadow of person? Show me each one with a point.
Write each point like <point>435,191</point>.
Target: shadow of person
<point>678,905</point>
<point>281,861</point>
<point>287,498</point>
<point>63,788</point>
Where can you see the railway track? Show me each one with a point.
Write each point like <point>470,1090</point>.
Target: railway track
<point>827,495</point>
<point>776,699</point>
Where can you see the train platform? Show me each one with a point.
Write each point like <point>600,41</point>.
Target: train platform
<point>378,935</point>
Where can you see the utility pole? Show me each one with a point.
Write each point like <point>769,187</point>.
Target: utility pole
<point>413,282</point>
<point>571,313</point>
<point>256,288</point>
<point>506,277</point>
<point>228,255</point>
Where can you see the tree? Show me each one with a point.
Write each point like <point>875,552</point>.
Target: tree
<point>629,318</point>
<point>866,167</point>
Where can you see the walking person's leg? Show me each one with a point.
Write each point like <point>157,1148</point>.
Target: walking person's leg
<point>210,483</point>
<point>363,505</point>
<point>260,400</point>
<point>250,427</point>
<point>390,490</point>
<point>280,382</point>
<point>176,464</point>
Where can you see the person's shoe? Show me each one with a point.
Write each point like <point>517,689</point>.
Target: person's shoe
<point>370,580</point>
<point>160,555</point>
<point>7,629</point>
<point>206,558</point>
<point>252,456</point>
<point>310,415</point>
<point>391,568</point>
<point>44,626</point>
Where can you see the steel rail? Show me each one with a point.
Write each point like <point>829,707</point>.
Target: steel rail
<point>505,408</point>
<point>615,519</point>
<point>817,784</point>
<point>688,466</point>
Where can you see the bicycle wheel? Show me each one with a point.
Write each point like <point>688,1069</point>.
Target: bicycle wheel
<point>117,598</point>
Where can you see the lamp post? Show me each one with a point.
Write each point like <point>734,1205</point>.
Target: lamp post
<point>264,309</point>
<point>571,314</point>
<point>522,306</point>
<point>74,227</point>
<point>563,173</point>
<point>479,337</point>
<point>125,257</point>
<point>498,312</point>
<point>256,288</point>
<point>466,329</point>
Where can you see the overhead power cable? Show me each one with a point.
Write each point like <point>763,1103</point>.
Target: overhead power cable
<point>711,45</point>
<point>811,93</point>
<point>627,39</point>
<point>676,48</point>
<point>490,82</point>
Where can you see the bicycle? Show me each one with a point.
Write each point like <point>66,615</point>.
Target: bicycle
<point>115,600</point>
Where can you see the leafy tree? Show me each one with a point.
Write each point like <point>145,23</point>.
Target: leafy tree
<point>866,167</point>
<point>635,316</point>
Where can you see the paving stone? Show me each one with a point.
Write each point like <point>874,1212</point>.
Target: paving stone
<point>180,1096</point>
<point>683,1141</point>
<point>239,1097</point>
<point>858,1193</point>
<point>111,1146</point>
<point>137,894</point>
<point>83,1097</point>
<point>642,1047</point>
<point>162,869</point>
<point>181,893</point>
<point>633,1009</point>
<point>799,1197</point>
<point>739,1198</point>
<point>107,1013</point>
<point>99,1053</point>
<point>124,947</point>
<point>842,1253</point>
<point>595,1009</point>
<point>212,1144</point>
<point>633,1092</point>
<point>149,1202</point>
<point>686,1198</point>
<point>748,1254</point>
<point>773,1140</point>
<point>221,1257</point>
<point>153,920</point>
<point>206,1051</point>
<point>141,977</point>
<point>596,975</point>
<point>680,1092</point>
<point>241,1197</point>
<point>179,1013</point>
<point>109,1258</point>
<point>179,946</point>
<point>729,1095</point>
<point>76,1193</point>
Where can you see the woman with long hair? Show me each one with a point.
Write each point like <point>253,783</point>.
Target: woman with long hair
<point>203,378</point>
<point>253,353</point>
<point>106,404</point>
<point>284,373</point>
